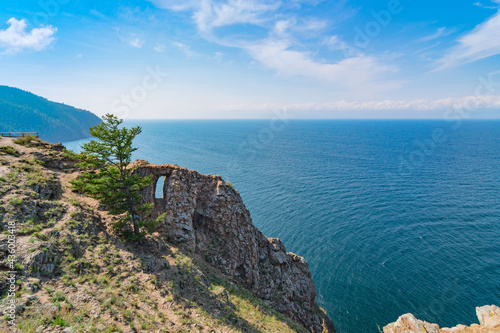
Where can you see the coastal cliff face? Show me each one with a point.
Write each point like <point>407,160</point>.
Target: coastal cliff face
<point>73,274</point>
<point>488,315</point>
<point>204,214</point>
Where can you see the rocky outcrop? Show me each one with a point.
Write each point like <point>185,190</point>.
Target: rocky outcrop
<point>42,260</point>
<point>488,315</point>
<point>204,214</point>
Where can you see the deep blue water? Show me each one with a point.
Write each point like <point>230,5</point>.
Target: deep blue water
<point>386,226</point>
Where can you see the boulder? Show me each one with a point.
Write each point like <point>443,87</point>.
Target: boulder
<point>488,315</point>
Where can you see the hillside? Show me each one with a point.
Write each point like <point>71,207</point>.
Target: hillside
<point>22,111</point>
<point>213,272</point>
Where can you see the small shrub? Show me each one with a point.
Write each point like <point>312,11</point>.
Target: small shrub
<point>25,140</point>
<point>59,321</point>
<point>58,297</point>
<point>10,150</point>
<point>16,201</point>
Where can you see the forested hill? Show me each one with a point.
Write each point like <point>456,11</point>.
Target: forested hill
<point>22,111</point>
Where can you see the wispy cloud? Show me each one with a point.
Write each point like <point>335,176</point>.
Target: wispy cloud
<point>159,48</point>
<point>482,42</point>
<point>218,56</point>
<point>354,72</point>
<point>186,49</point>
<point>136,42</point>
<point>336,44</point>
<point>209,14</point>
<point>131,39</point>
<point>282,48</point>
<point>17,37</point>
<point>488,6</point>
<point>486,102</point>
<point>96,13</point>
<point>441,32</point>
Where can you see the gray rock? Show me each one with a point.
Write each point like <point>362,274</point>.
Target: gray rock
<point>58,147</point>
<point>40,261</point>
<point>488,315</point>
<point>152,264</point>
<point>206,215</point>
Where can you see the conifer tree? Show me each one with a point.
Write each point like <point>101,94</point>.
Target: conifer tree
<point>108,179</point>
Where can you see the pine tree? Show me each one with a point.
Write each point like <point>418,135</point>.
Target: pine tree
<point>107,178</point>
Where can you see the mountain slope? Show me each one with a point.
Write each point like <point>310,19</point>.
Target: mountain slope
<point>22,111</point>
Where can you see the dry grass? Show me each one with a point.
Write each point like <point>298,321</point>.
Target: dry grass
<point>25,140</point>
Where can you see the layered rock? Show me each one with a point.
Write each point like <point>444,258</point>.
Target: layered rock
<point>206,215</point>
<point>488,315</point>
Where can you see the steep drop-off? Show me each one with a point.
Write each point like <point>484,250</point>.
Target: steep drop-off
<point>206,269</point>
<point>207,216</point>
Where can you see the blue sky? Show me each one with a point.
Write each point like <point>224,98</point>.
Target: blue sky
<point>253,58</point>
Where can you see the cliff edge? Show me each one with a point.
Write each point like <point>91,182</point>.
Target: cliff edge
<point>206,215</point>
<point>206,269</point>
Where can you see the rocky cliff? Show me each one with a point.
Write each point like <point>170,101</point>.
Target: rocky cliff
<point>204,214</point>
<point>488,315</point>
<point>207,269</point>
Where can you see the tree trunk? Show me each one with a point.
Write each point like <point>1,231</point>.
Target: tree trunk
<point>132,211</point>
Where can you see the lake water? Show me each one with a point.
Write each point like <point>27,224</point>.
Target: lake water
<point>392,216</point>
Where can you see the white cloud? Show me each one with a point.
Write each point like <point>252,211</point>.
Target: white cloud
<point>484,102</point>
<point>335,43</point>
<point>219,56</point>
<point>136,42</point>
<point>131,39</point>
<point>441,32</point>
<point>186,49</point>
<point>209,14</point>
<point>482,42</point>
<point>17,38</point>
<point>355,72</point>
<point>482,5</point>
<point>160,48</point>
<point>281,49</point>
<point>96,13</point>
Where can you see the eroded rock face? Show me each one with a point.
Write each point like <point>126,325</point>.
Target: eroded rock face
<point>206,215</point>
<point>488,315</point>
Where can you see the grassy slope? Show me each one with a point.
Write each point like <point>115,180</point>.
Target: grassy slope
<point>101,284</point>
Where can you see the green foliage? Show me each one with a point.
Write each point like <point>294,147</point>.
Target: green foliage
<point>10,150</point>
<point>108,179</point>
<point>58,297</point>
<point>59,321</point>
<point>25,140</point>
<point>16,201</point>
<point>25,112</point>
